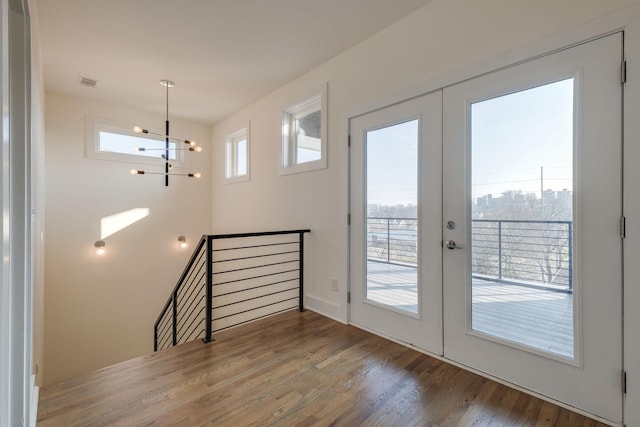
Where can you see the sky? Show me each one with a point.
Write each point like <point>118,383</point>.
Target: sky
<point>512,137</point>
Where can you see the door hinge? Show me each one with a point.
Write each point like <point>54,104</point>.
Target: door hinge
<point>623,227</point>
<point>623,381</point>
<point>348,297</point>
<point>348,219</point>
<point>623,72</point>
<point>349,141</point>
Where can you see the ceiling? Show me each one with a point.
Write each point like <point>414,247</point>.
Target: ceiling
<point>222,54</point>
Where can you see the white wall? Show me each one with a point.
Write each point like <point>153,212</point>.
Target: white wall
<point>439,39</point>
<point>100,309</point>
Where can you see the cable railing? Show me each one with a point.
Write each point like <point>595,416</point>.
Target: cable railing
<point>532,252</point>
<point>232,279</point>
<point>392,240</point>
<point>523,251</point>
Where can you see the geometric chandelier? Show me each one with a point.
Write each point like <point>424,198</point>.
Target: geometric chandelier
<point>191,145</point>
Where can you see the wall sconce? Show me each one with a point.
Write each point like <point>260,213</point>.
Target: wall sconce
<point>183,241</point>
<point>100,244</point>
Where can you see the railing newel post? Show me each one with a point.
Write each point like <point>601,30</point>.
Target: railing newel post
<point>209,291</point>
<point>499,250</point>
<point>388,239</point>
<point>570,239</point>
<point>175,317</point>
<point>301,273</point>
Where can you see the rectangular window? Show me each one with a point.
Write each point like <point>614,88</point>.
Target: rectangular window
<point>304,134</point>
<point>113,140</point>
<point>118,142</point>
<point>237,156</point>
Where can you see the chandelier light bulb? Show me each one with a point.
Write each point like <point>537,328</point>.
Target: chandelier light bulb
<point>183,241</point>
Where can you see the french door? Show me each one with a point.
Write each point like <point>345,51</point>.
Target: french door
<point>521,208</point>
<point>396,211</point>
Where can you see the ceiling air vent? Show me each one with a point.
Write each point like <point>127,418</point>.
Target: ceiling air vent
<point>88,82</point>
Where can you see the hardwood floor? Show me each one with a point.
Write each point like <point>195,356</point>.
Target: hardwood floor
<point>293,369</point>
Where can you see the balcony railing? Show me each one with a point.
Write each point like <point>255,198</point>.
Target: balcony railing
<point>523,251</point>
<point>392,240</point>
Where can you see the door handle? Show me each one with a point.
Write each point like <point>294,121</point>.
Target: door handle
<point>450,244</point>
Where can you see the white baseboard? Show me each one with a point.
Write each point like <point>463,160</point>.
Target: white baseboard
<point>326,308</point>
<point>35,394</point>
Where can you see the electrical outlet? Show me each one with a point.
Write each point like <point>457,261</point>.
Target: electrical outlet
<point>334,285</point>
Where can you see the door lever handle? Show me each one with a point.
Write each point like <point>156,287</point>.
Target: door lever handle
<point>450,244</point>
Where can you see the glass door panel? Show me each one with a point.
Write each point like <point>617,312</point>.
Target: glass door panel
<point>522,217</point>
<point>392,222</point>
<point>395,262</point>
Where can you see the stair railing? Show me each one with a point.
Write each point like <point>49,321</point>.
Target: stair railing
<point>232,279</point>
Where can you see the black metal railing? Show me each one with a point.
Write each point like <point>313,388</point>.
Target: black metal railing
<point>532,252</point>
<point>233,279</point>
<point>536,252</point>
<point>392,240</point>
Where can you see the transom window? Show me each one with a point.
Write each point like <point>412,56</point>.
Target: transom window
<point>114,140</point>
<point>118,142</point>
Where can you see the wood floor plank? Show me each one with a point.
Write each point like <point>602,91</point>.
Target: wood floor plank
<point>293,369</point>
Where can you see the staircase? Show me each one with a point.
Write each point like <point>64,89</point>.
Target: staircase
<point>232,279</point>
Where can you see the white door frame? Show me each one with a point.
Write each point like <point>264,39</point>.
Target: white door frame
<point>16,338</point>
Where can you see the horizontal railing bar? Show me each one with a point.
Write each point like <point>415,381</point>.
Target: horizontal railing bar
<point>522,221</point>
<point>391,218</point>
<point>255,308</point>
<point>162,337</point>
<point>395,262</point>
<point>255,246</point>
<point>164,330</point>
<point>255,256</point>
<point>258,234</point>
<point>522,271</point>
<point>255,277</point>
<point>254,267</point>
<point>255,287</point>
<point>201,243</point>
<point>195,300</point>
<point>195,317</point>
<point>254,298</point>
<point>518,282</point>
<point>256,318</point>
<point>185,315</point>
<point>521,253</point>
<point>187,290</point>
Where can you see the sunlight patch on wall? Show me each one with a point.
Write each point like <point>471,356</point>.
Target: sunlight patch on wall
<point>113,223</point>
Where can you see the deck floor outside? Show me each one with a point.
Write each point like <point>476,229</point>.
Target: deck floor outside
<point>534,317</point>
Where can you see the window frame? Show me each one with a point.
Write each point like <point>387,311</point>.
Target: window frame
<point>231,164</point>
<point>95,125</point>
<point>311,101</point>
